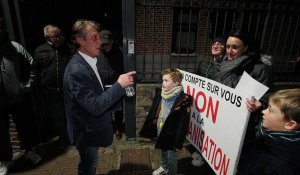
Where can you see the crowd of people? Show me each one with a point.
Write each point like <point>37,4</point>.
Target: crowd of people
<point>71,80</point>
<point>272,140</point>
<point>68,83</point>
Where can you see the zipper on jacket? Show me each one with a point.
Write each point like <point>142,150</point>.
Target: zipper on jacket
<point>57,73</point>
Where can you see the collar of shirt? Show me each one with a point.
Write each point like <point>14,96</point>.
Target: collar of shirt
<point>92,62</point>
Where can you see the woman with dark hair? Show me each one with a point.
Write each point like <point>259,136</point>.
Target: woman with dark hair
<point>242,54</point>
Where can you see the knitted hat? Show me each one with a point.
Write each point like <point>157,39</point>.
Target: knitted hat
<point>221,39</point>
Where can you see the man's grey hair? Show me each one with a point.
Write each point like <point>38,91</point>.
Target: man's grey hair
<point>50,26</point>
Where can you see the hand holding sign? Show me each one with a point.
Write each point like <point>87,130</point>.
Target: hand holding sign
<point>252,104</point>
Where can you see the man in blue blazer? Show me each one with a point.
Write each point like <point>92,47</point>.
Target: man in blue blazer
<point>87,104</point>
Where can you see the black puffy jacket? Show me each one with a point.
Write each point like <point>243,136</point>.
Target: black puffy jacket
<point>16,74</point>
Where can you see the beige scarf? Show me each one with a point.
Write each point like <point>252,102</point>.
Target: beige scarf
<point>165,110</point>
<point>171,93</point>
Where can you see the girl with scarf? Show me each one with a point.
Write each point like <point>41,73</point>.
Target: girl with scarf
<point>278,145</point>
<point>171,115</point>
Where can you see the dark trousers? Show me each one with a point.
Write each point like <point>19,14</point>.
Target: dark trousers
<point>118,122</point>
<point>88,160</point>
<point>56,109</point>
<point>22,115</point>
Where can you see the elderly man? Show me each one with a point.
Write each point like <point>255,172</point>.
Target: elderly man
<point>50,61</point>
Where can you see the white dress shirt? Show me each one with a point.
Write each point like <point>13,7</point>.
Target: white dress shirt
<point>92,62</point>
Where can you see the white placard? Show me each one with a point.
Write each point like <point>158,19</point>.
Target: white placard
<point>218,120</point>
<point>249,86</point>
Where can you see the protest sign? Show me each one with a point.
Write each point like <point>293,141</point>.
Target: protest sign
<point>218,120</point>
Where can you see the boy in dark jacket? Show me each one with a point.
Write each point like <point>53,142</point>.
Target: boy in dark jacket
<point>171,118</point>
<point>278,148</point>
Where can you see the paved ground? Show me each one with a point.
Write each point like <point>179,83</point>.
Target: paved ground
<point>121,158</point>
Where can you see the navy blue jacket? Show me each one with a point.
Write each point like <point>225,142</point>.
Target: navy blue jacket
<point>87,105</point>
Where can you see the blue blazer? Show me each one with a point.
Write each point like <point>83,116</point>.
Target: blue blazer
<point>87,105</point>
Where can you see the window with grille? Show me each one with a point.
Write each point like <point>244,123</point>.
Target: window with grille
<point>185,23</point>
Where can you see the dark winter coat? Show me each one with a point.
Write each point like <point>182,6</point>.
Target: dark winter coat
<point>175,127</point>
<point>50,63</point>
<point>16,76</point>
<point>229,72</point>
<point>276,153</point>
<point>206,67</point>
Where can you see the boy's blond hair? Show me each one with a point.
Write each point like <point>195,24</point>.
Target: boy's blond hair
<point>288,101</point>
<point>175,74</point>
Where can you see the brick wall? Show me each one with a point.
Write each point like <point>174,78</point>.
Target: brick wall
<point>153,30</point>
